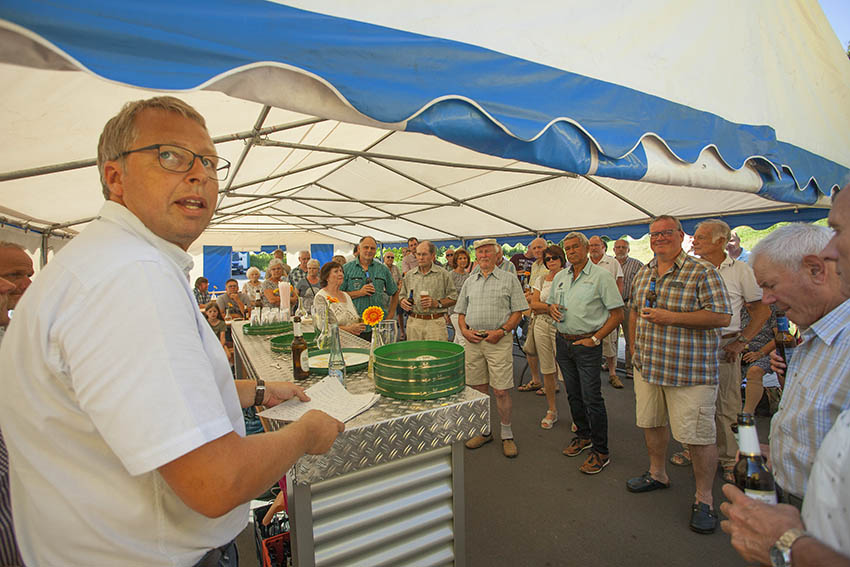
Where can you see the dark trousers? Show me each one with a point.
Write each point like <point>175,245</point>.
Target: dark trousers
<point>581,367</point>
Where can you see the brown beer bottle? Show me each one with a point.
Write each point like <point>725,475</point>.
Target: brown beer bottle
<point>652,295</point>
<point>300,356</point>
<point>751,474</point>
<point>782,336</point>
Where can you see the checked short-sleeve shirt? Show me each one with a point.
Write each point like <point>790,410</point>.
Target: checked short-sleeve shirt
<point>675,356</point>
<point>817,390</point>
<point>487,302</point>
<point>382,279</point>
<point>630,269</point>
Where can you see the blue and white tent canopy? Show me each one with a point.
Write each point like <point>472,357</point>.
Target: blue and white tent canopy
<point>443,120</point>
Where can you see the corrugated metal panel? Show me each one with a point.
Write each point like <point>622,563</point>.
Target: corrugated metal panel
<point>400,513</point>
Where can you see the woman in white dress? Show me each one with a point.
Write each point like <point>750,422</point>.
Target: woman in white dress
<point>544,329</point>
<point>342,309</point>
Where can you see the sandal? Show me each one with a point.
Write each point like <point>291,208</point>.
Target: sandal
<point>681,458</point>
<point>548,421</point>
<point>529,386</point>
<point>542,392</point>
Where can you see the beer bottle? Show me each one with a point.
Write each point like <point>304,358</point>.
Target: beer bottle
<point>782,336</point>
<point>751,474</point>
<point>368,277</point>
<point>651,295</point>
<point>336,360</point>
<point>300,356</point>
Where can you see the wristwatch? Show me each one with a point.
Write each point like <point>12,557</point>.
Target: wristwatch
<point>595,340</point>
<point>439,304</point>
<point>506,331</point>
<point>742,339</point>
<point>260,393</point>
<point>780,552</point>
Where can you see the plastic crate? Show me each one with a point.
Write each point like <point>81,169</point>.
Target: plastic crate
<point>275,536</point>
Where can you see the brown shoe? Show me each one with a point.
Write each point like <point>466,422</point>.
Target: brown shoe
<point>615,381</point>
<point>509,448</point>
<point>478,441</point>
<point>576,446</point>
<point>594,463</point>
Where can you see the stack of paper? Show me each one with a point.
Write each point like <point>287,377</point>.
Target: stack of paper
<point>328,396</point>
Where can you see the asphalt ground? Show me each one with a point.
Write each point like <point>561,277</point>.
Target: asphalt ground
<point>539,510</point>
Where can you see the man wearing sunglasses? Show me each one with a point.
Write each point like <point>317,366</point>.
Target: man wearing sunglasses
<point>119,410</point>
<point>675,346</point>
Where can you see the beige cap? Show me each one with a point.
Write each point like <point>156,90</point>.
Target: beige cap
<point>484,242</point>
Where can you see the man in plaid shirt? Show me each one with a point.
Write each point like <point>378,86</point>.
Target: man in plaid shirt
<point>817,386</point>
<point>675,354</point>
<point>630,269</point>
<point>300,271</point>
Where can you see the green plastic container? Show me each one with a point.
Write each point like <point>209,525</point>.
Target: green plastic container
<point>275,329</point>
<point>419,370</point>
<point>283,343</point>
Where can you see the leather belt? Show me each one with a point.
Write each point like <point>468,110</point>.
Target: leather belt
<point>213,556</point>
<point>730,335</point>
<point>575,337</point>
<point>428,317</point>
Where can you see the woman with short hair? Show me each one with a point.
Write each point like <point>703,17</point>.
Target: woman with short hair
<point>459,274</point>
<point>253,288</point>
<point>271,291</point>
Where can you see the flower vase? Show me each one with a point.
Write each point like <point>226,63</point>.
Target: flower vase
<point>375,343</point>
<point>321,324</point>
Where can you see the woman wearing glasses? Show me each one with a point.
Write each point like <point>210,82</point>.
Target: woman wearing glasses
<point>544,329</point>
<point>459,273</point>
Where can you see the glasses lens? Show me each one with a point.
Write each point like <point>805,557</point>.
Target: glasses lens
<point>174,158</point>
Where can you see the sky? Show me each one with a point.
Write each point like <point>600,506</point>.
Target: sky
<point>838,14</point>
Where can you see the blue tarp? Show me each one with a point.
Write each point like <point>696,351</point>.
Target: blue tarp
<point>217,266</point>
<point>322,252</point>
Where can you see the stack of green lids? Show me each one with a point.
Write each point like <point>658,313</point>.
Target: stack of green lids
<point>283,343</point>
<point>419,370</point>
<point>271,329</point>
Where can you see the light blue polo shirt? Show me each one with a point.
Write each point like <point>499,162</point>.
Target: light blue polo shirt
<point>588,298</point>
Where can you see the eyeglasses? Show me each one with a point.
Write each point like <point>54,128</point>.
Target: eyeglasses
<point>390,257</point>
<point>665,233</point>
<point>181,160</point>
<point>548,258</point>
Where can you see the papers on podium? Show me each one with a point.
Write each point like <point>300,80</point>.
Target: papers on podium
<point>329,396</point>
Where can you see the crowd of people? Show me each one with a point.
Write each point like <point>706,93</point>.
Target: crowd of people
<point>138,450</point>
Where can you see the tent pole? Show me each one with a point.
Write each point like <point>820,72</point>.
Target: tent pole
<point>79,164</point>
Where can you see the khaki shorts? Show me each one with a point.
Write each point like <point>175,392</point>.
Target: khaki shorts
<point>609,344</point>
<point>427,329</point>
<point>544,339</point>
<point>690,410</point>
<point>491,364</point>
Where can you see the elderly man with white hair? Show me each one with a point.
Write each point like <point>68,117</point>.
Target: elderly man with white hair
<point>798,281</point>
<point>299,272</point>
<point>489,308</point>
<point>710,241</point>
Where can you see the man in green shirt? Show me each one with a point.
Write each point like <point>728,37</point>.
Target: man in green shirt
<point>367,280</point>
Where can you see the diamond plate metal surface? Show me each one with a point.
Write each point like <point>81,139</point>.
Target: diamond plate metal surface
<point>390,430</point>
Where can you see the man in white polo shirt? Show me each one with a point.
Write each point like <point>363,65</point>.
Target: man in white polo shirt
<point>124,425</point>
<point>710,241</point>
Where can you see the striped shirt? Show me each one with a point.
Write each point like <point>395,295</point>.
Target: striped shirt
<point>630,270</point>
<point>668,355</point>
<point>9,553</point>
<point>817,390</point>
<point>436,281</point>
<point>488,302</point>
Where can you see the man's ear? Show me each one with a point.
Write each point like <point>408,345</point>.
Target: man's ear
<point>113,173</point>
<point>815,268</point>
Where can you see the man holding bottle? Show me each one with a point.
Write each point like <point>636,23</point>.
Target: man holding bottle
<point>795,278</point>
<point>433,293</point>
<point>675,359</point>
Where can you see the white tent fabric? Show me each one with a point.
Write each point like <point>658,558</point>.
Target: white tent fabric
<point>743,111</point>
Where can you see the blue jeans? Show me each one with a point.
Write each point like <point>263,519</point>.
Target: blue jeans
<point>581,367</point>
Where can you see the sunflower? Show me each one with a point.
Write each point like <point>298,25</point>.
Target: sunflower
<point>373,315</point>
